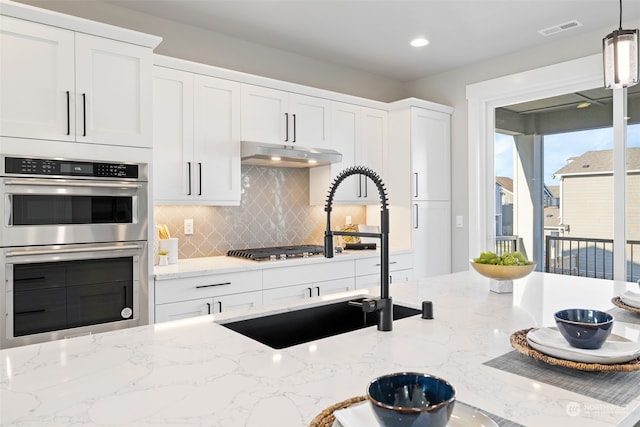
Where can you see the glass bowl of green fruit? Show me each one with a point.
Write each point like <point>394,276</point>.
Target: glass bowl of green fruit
<point>508,266</point>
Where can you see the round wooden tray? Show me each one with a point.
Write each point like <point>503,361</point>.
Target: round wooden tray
<point>618,301</point>
<point>519,342</point>
<point>326,417</point>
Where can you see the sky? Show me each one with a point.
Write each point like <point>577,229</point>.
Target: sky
<point>560,147</point>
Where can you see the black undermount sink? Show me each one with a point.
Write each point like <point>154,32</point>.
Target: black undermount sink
<point>290,328</point>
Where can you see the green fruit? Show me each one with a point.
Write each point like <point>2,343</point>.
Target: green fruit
<point>509,258</point>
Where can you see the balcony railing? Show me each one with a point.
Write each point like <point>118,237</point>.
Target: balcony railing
<point>587,257</point>
<point>506,244</point>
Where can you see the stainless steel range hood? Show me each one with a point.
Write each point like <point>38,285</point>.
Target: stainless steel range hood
<point>286,156</point>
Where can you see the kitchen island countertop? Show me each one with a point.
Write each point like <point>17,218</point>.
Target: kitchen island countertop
<point>195,372</point>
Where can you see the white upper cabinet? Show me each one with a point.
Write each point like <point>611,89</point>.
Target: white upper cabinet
<point>359,134</point>
<point>113,94</point>
<point>279,117</point>
<point>62,85</point>
<point>196,139</point>
<point>173,136</point>
<point>36,80</point>
<point>430,154</point>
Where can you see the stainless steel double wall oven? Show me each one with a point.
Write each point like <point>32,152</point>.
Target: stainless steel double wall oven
<point>73,248</point>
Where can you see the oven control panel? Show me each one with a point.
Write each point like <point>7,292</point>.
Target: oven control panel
<point>56,167</point>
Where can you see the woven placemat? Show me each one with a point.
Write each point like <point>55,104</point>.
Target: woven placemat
<point>519,341</point>
<point>618,301</point>
<point>326,417</point>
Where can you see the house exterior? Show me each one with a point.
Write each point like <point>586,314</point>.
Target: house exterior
<point>586,184</point>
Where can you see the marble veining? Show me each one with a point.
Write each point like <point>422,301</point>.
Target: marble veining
<point>195,372</point>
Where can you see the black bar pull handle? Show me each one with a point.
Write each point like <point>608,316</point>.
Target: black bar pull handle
<point>68,114</point>
<point>415,218</point>
<point>84,114</point>
<point>415,177</point>
<point>294,128</point>
<point>212,285</point>
<point>310,292</point>
<point>199,179</point>
<point>208,308</point>
<point>219,306</point>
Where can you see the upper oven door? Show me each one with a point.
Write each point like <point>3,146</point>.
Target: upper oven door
<point>41,211</point>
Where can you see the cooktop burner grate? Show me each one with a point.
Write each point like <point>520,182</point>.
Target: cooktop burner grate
<point>277,252</point>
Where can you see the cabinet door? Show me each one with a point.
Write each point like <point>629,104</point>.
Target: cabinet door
<point>265,115</point>
<point>113,92</point>
<point>334,286</point>
<point>183,309</point>
<point>430,154</point>
<point>216,172</point>
<point>287,294</point>
<point>374,138</point>
<point>243,301</point>
<point>310,121</point>
<point>346,134</point>
<point>36,80</point>
<point>431,238</point>
<point>173,136</point>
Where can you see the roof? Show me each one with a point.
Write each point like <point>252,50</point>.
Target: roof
<point>505,182</point>
<point>551,216</point>
<point>554,190</point>
<point>598,162</point>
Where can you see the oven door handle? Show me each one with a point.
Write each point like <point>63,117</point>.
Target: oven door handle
<point>61,250</point>
<point>68,183</point>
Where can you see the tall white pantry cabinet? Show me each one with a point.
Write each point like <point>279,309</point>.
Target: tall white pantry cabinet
<point>420,178</point>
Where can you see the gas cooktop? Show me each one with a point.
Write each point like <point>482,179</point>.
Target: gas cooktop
<point>277,252</point>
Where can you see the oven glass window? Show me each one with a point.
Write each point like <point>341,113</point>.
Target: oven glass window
<point>60,209</point>
<point>60,295</point>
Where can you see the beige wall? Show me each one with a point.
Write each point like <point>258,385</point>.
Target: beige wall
<point>446,88</point>
<point>587,206</point>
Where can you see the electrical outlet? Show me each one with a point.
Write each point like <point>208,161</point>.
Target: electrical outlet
<point>188,227</point>
<point>459,223</point>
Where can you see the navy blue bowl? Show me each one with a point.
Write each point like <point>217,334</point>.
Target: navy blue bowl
<point>410,399</point>
<point>583,328</point>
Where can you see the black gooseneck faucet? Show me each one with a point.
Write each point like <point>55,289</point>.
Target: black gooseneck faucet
<point>384,305</point>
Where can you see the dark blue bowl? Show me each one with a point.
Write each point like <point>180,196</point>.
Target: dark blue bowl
<point>410,399</point>
<point>584,328</point>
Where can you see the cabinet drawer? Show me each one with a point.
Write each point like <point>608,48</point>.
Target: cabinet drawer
<point>192,288</point>
<point>183,309</point>
<point>300,274</point>
<point>372,265</point>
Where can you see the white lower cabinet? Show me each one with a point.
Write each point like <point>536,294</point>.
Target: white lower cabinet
<point>194,296</point>
<point>204,306</point>
<point>368,270</point>
<point>306,281</point>
<point>307,290</point>
<point>431,238</point>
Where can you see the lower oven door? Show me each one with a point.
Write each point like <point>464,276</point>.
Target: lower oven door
<point>59,291</point>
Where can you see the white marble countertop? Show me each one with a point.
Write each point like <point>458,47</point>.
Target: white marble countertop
<point>225,264</point>
<point>195,372</point>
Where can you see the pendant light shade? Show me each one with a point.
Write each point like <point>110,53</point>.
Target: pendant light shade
<point>620,57</point>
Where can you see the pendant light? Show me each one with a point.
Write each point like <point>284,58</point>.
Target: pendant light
<point>620,57</point>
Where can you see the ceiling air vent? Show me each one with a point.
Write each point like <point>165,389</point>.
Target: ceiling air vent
<point>560,28</point>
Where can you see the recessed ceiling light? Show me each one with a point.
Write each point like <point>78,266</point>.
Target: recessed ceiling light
<point>276,158</point>
<point>419,42</point>
<point>583,105</point>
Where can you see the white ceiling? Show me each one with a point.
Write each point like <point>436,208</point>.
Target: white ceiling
<point>374,35</point>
